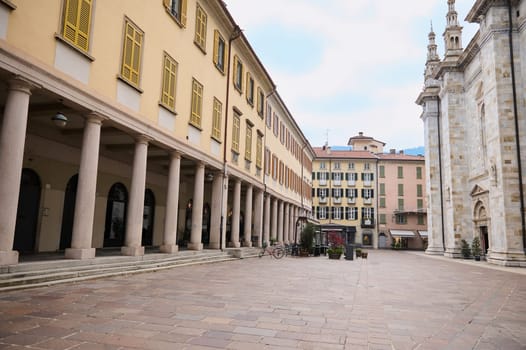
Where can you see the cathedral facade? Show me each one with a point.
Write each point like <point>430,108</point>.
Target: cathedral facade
<point>475,134</point>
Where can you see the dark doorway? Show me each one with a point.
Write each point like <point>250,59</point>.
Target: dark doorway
<point>27,212</point>
<point>115,226</point>
<point>68,212</point>
<point>205,232</point>
<point>148,218</point>
<point>485,240</point>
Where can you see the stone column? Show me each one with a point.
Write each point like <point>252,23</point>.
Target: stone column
<point>224,212</point>
<point>248,217</point>
<point>12,141</point>
<point>172,205</point>
<point>266,224</point>
<point>280,222</point>
<point>216,209</point>
<point>296,231</point>
<point>286,224</point>
<point>82,235</point>
<point>258,217</point>
<point>133,241</point>
<point>274,220</point>
<point>291,223</point>
<point>236,207</point>
<point>197,209</point>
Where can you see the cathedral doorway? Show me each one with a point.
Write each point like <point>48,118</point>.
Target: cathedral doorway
<point>481,222</point>
<point>484,239</point>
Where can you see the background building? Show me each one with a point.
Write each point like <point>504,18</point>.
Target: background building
<point>474,118</point>
<point>128,128</point>
<point>374,195</point>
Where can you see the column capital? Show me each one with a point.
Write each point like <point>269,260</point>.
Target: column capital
<point>174,154</point>
<point>21,84</point>
<point>95,118</point>
<point>142,138</point>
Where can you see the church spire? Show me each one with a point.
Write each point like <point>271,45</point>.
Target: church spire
<point>432,56</point>
<point>453,33</point>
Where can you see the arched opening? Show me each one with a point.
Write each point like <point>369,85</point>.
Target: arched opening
<point>27,212</point>
<point>382,240</point>
<point>481,222</point>
<point>206,224</point>
<point>115,226</point>
<point>68,212</point>
<point>148,218</point>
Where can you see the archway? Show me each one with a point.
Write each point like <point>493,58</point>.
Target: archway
<point>115,226</point>
<point>27,212</point>
<point>68,212</point>
<point>481,222</point>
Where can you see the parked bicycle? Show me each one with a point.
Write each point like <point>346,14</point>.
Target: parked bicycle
<point>277,251</point>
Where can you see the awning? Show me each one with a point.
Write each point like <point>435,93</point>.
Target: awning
<point>422,233</point>
<point>402,233</point>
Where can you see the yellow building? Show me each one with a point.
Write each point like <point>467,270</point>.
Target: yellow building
<point>125,127</point>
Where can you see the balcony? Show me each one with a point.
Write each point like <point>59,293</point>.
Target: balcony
<point>351,183</point>
<point>323,182</point>
<point>337,200</point>
<point>337,183</point>
<point>368,223</point>
<point>368,201</point>
<point>323,200</point>
<point>351,200</point>
<point>367,183</point>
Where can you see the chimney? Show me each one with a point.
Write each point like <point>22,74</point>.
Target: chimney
<point>328,149</point>
<point>392,151</point>
<point>360,133</point>
<point>401,151</point>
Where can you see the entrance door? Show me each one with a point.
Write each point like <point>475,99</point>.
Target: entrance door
<point>27,213</point>
<point>115,227</point>
<point>485,240</point>
<point>68,212</point>
<point>148,216</point>
<point>382,241</point>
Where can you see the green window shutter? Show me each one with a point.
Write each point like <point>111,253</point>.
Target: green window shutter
<point>400,189</point>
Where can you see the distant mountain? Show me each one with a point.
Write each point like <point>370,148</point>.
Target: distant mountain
<point>415,151</point>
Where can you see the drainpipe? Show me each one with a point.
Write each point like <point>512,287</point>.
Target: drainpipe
<point>440,174</point>
<point>516,118</point>
<point>236,33</point>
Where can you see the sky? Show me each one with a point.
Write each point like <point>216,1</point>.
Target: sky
<point>345,66</point>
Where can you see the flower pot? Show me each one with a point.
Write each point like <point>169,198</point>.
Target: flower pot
<point>477,258</point>
<point>335,256</point>
<point>364,255</point>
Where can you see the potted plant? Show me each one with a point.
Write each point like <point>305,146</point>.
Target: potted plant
<point>475,248</point>
<point>465,249</point>
<point>364,254</point>
<point>336,244</point>
<point>358,252</point>
<point>307,239</point>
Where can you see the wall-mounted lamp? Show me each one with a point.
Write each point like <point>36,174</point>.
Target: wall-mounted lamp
<point>209,177</point>
<point>60,120</point>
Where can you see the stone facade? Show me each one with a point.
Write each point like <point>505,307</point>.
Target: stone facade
<point>474,132</point>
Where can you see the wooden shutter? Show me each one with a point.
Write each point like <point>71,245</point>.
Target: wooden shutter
<point>167,3</point>
<point>183,12</point>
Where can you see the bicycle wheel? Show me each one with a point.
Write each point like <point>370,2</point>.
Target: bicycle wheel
<point>278,253</point>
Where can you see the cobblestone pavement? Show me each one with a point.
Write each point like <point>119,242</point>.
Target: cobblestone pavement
<point>392,300</point>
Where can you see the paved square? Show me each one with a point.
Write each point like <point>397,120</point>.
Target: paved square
<point>392,300</point>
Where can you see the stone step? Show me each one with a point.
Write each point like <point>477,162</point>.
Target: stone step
<point>60,271</point>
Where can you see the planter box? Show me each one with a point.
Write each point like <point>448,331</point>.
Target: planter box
<point>335,256</point>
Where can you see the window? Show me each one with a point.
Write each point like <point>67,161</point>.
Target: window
<point>323,176</point>
<point>367,176</point>
<point>200,28</point>
<point>219,51</point>
<point>197,104</point>
<point>400,204</point>
<point>366,166</point>
<point>269,116</point>
<point>382,189</point>
<point>350,166</point>
<point>351,213</point>
<point>131,53</point>
<point>322,165</point>
<point>276,125</point>
<point>77,23</point>
<point>337,176</point>
<point>259,149</point>
<point>337,192</point>
<point>250,89</point>
<point>400,172</point>
<point>382,202</point>
<point>400,189</point>
<point>274,167</point>
<point>382,171</point>
<point>351,176</point>
<point>322,192</point>
<point>401,219</point>
<point>351,192</point>
<point>382,219</point>
<point>421,220</point>
<point>282,133</point>
<point>367,213</point>
<point>337,213</point>
<point>261,102</point>
<point>419,203</point>
<point>177,8</point>
<point>216,121</point>
<point>169,79</point>
<point>367,193</point>
<point>419,173</point>
<point>322,213</point>
<point>248,142</point>
<point>235,133</point>
<point>267,161</point>
<point>419,190</point>
<point>337,165</point>
<point>238,74</point>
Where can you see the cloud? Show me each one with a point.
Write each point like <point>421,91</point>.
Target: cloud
<point>368,52</point>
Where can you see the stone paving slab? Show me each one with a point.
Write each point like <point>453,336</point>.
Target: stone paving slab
<point>392,300</point>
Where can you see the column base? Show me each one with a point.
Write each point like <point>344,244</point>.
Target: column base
<point>8,258</point>
<point>132,251</point>
<point>169,248</point>
<point>79,254</point>
<point>510,259</point>
<point>435,251</point>
<point>195,246</point>
<point>247,244</point>
<point>214,245</point>
<point>234,245</point>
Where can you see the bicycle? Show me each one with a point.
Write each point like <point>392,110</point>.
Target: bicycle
<point>276,251</point>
